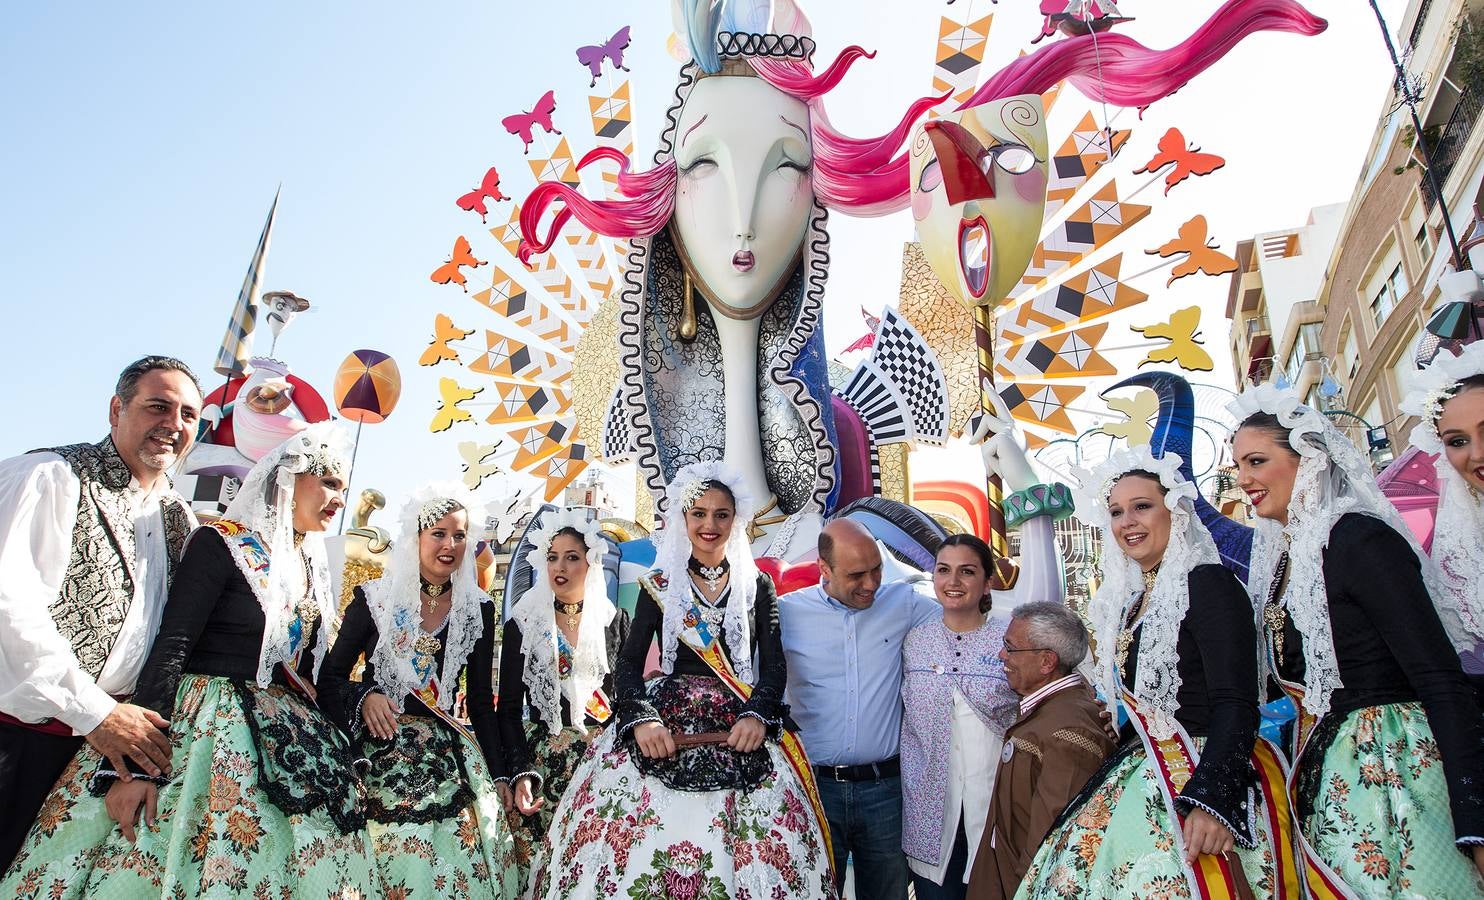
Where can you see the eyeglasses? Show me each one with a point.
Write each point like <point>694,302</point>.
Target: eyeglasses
<point>1010,649</point>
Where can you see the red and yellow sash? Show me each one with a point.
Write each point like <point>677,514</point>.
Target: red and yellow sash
<point>1217,877</point>
<point>1323,883</point>
<point>708,648</point>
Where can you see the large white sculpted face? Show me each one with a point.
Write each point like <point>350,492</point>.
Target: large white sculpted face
<point>744,193</point>
<point>979,195</point>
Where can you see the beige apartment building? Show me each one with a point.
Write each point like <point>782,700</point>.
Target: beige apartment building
<point>1350,346</point>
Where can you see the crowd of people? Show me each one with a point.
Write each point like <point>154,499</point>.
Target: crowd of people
<point>185,711</point>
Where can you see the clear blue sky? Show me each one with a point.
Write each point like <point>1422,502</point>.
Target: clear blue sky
<point>142,145</point>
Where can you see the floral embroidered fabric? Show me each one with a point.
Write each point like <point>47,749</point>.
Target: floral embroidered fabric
<point>693,705</point>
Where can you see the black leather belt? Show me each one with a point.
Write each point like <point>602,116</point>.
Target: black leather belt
<point>887,768</point>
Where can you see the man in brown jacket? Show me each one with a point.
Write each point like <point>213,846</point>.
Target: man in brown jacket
<point>1052,749</point>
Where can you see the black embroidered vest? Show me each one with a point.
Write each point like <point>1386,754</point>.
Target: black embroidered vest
<point>98,587</point>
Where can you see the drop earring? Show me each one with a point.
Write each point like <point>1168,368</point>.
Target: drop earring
<point>687,328</point>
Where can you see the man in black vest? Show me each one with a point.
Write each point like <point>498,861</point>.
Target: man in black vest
<point>89,538</point>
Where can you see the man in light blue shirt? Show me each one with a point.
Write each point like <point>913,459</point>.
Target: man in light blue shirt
<point>843,641</point>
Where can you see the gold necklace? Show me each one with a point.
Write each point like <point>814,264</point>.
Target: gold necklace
<point>431,592</point>
<point>571,611</point>
<point>308,610</point>
<point>1130,625</point>
<point>1274,615</point>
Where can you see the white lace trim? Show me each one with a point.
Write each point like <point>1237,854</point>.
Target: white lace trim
<point>1429,388</point>
<point>672,557</point>
<point>1333,479</point>
<point>1157,683</point>
<point>535,613</point>
<point>1458,528</point>
<point>395,601</point>
<point>264,505</point>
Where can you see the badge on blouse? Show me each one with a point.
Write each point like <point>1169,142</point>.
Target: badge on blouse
<point>1006,752</point>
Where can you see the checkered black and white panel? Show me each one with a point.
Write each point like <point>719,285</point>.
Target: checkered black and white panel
<point>618,439</point>
<point>910,366</point>
<point>880,405</point>
<point>208,494</point>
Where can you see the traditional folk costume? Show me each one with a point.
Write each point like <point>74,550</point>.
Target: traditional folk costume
<point>1178,648</point>
<point>542,672</point>
<point>1388,739</point>
<point>261,797</point>
<point>86,558</point>
<point>957,705</point>
<point>435,819</point>
<point>1458,528</point>
<point>707,822</point>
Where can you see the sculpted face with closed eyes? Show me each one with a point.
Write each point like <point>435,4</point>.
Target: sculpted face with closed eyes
<point>743,193</point>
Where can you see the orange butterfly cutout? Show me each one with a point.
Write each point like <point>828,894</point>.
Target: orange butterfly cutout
<point>1187,161</point>
<point>461,256</point>
<point>1204,257</point>
<point>1184,348</point>
<point>443,331</point>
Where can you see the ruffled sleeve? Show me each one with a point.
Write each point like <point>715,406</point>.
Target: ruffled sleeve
<point>631,703</point>
<point>1221,622</point>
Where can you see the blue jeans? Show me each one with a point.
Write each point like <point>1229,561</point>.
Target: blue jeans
<point>866,827</point>
<point>953,887</point>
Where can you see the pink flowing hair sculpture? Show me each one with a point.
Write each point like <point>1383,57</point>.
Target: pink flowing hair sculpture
<point>869,177</point>
<point>862,176</point>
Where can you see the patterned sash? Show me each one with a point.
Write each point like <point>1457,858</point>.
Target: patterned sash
<point>598,706</point>
<point>1218,877</point>
<point>1323,883</point>
<point>698,637</point>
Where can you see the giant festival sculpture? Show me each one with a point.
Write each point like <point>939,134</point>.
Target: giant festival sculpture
<point>673,313</point>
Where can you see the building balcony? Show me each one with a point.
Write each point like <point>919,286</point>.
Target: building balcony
<point>1451,140</point>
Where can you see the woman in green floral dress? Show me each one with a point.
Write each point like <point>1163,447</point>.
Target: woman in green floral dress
<point>433,806</point>
<point>1389,787</point>
<point>261,797</point>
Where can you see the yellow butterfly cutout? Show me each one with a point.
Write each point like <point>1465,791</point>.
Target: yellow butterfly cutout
<point>1137,410</point>
<point>474,465</point>
<point>450,395</point>
<point>438,350</point>
<point>1184,350</point>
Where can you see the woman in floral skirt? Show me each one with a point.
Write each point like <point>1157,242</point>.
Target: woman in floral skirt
<point>433,809</point>
<point>559,650</point>
<point>698,792</point>
<point>261,798</point>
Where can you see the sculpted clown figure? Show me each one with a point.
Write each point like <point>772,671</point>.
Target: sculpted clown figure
<point>979,195</point>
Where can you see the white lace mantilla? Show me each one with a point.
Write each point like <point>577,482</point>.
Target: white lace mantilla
<point>535,613</point>
<point>1458,529</point>
<point>672,556</point>
<point>395,601</point>
<point>1157,684</point>
<point>1333,479</point>
<point>264,505</point>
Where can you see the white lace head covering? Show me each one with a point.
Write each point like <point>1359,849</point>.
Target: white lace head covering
<point>395,599</point>
<point>1458,528</point>
<point>264,504</point>
<point>673,553</point>
<point>535,613</point>
<point>1158,680</point>
<point>1334,478</point>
